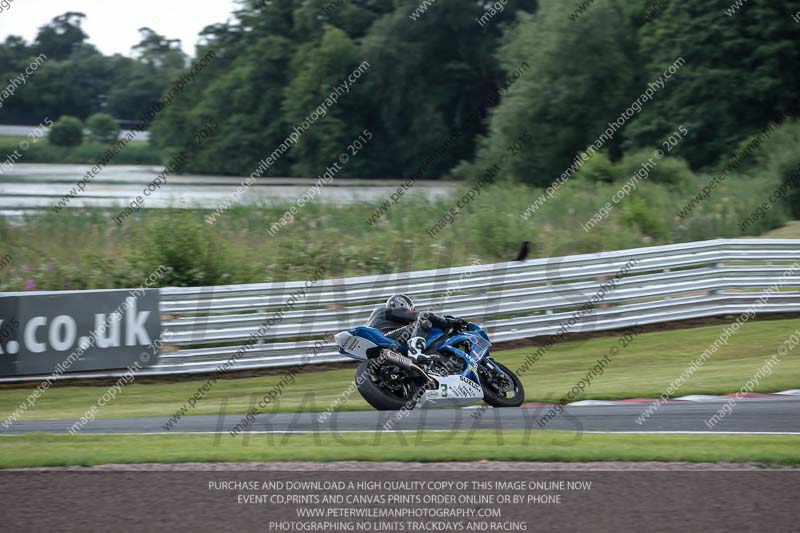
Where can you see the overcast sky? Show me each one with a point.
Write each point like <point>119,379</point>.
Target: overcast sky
<point>112,25</point>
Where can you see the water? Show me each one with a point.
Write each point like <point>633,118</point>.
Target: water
<point>34,187</point>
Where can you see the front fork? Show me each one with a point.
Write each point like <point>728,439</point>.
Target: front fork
<point>500,375</point>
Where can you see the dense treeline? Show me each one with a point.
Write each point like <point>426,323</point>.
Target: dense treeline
<point>473,77</point>
<point>540,69</point>
<point>75,79</point>
<point>427,80</point>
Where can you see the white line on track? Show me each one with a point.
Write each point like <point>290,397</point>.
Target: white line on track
<point>259,432</point>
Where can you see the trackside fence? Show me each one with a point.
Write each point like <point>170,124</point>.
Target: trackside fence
<point>209,326</point>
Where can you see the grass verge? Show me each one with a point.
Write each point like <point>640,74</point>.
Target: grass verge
<point>643,369</point>
<point>39,450</point>
<point>789,231</point>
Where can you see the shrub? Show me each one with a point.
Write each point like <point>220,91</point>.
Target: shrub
<point>789,172</point>
<point>67,131</point>
<point>599,168</point>
<point>103,128</point>
<point>672,171</point>
<point>638,213</point>
<point>778,156</point>
<point>193,252</point>
<point>779,150</point>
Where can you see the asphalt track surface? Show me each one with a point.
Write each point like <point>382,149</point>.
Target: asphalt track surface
<point>748,416</point>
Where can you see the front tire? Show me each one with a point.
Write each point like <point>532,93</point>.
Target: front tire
<point>382,394</point>
<point>493,386</point>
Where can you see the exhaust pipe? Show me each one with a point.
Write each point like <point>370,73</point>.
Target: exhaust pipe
<point>403,362</point>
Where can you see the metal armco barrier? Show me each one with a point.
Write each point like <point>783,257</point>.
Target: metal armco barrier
<point>209,326</point>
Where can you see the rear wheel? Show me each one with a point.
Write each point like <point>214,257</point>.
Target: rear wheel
<point>501,389</point>
<point>387,387</point>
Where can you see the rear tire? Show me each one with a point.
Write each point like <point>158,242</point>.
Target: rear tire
<point>496,398</point>
<point>380,397</point>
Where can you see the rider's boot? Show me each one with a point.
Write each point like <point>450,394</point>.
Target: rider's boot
<point>416,345</point>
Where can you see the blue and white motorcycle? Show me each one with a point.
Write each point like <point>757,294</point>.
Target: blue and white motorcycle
<point>460,370</point>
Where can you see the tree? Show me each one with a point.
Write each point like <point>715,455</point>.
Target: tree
<point>740,74</point>
<point>75,86</point>
<point>581,76</point>
<point>245,99</point>
<point>277,63</point>
<point>103,128</point>
<point>77,80</point>
<point>67,131</point>
<point>415,104</point>
<point>160,52</point>
<point>136,88</point>
<point>59,38</point>
<point>316,68</point>
<point>354,17</point>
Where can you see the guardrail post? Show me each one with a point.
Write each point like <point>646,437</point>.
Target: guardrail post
<point>260,341</point>
<point>716,291</point>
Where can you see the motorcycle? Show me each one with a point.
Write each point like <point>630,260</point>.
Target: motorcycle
<point>459,370</point>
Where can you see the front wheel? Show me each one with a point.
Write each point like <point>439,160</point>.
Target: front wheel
<point>386,387</point>
<point>501,389</point>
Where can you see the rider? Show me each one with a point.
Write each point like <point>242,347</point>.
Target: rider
<point>398,320</point>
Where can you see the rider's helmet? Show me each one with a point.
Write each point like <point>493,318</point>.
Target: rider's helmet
<point>400,301</point>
